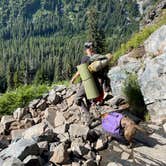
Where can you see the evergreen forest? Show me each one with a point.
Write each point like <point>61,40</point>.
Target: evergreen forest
<point>41,41</point>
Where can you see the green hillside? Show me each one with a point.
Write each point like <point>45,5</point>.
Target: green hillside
<point>41,41</point>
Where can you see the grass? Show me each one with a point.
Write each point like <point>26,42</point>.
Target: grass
<point>20,97</point>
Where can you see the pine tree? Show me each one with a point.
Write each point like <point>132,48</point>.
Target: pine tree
<point>95,34</point>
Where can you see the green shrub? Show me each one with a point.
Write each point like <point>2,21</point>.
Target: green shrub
<point>20,97</point>
<point>134,96</point>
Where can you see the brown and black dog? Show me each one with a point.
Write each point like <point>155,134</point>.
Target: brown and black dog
<point>130,128</point>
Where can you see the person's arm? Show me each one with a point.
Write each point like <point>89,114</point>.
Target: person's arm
<point>76,75</point>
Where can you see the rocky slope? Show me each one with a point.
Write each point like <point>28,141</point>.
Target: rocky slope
<point>53,131</point>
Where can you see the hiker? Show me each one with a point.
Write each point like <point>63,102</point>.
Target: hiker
<point>98,76</point>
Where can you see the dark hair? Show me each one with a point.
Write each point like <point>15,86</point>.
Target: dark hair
<point>88,45</point>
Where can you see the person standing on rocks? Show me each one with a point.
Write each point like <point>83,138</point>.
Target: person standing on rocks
<point>98,76</point>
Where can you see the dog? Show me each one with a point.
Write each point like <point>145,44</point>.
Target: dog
<point>119,126</point>
<point>130,128</point>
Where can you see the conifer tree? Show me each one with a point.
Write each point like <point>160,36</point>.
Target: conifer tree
<point>95,34</point>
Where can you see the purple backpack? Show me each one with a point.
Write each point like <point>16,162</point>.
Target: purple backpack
<point>111,124</point>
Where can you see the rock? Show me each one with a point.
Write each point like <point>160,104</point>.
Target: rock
<point>12,162</point>
<point>34,131</point>
<point>53,98</point>
<point>117,100</point>
<point>152,82</point>
<point>90,155</point>
<point>127,58</point>
<point>70,100</point>
<point>114,164</point>
<point>125,156</point>
<point>1,162</point>
<point>60,88</point>
<point>76,130</point>
<point>60,155</point>
<point>60,129</point>
<point>33,103</point>
<point>19,113</point>
<point>119,74</point>
<point>62,107</point>
<point>100,144</point>
<point>52,146</point>
<point>32,161</point>
<point>59,119</point>
<point>78,147</point>
<point>164,127</point>
<point>17,133</point>
<point>20,149</point>
<point>156,43</point>
<point>117,149</point>
<point>33,112</point>
<point>4,142</point>
<point>6,121</point>
<point>76,164</point>
<point>43,146</point>
<point>50,114</point>
<point>2,129</point>
<point>42,105</point>
<point>90,163</point>
<point>63,137</point>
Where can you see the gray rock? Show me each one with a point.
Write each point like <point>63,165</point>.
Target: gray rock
<point>17,134</point>
<point>59,119</point>
<point>2,129</point>
<point>12,162</point>
<point>43,146</point>
<point>76,164</point>
<point>60,129</point>
<point>164,127</point>
<point>78,147</point>
<point>50,114</point>
<point>63,137</point>
<point>6,121</point>
<point>116,100</point>
<point>125,156</point>
<point>100,144</point>
<point>32,160</point>
<point>20,149</point>
<point>152,82</point>
<point>33,103</point>
<point>34,131</point>
<point>1,162</point>
<point>60,88</point>
<point>42,105</point>
<point>114,164</point>
<point>19,113</point>
<point>53,98</point>
<point>90,163</point>
<point>156,43</point>
<point>76,130</point>
<point>60,155</point>
<point>119,74</point>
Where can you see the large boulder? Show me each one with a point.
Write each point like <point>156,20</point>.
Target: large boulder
<point>156,43</point>
<point>119,74</point>
<point>153,86</point>
<point>12,162</point>
<point>60,154</point>
<point>34,131</point>
<point>20,149</point>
